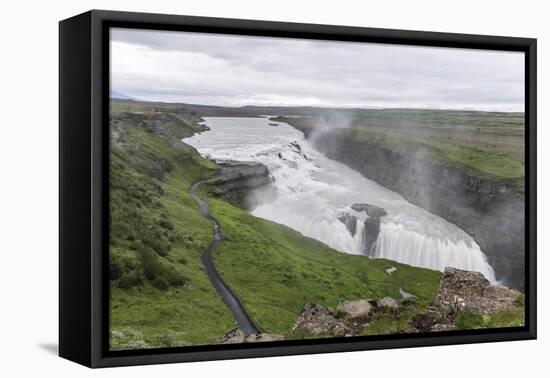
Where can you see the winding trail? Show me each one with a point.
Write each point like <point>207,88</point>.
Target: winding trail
<point>231,300</point>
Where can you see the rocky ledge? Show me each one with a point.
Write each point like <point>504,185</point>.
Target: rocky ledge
<point>458,291</point>
<point>235,181</point>
<point>349,318</point>
<point>463,290</point>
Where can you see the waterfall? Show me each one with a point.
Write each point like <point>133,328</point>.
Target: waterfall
<point>311,192</point>
<point>410,247</point>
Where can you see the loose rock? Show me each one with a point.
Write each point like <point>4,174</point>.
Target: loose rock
<point>318,320</point>
<point>423,322</point>
<point>388,304</point>
<point>237,336</point>
<point>442,327</point>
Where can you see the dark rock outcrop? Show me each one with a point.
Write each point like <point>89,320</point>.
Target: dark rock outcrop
<point>350,221</point>
<point>370,234</point>
<point>371,210</point>
<point>463,290</point>
<point>235,181</point>
<point>296,146</point>
<point>237,336</point>
<point>372,225</point>
<point>298,149</point>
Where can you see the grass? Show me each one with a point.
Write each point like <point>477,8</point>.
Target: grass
<point>160,293</point>
<point>156,225</point>
<point>509,317</point>
<point>276,271</point>
<point>482,144</point>
<point>385,323</point>
<point>472,159</point>
<point>430,157</point>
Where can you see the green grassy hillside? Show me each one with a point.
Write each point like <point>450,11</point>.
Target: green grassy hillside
<point>160,293</point>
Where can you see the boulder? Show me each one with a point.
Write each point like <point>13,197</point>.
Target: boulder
<point>354,310</point>
<point>388,304</point>
<point>350,221</point>
<point>465,290</point>
<point>371,210</point>
<point>237,336</point>
<point>319,320</point>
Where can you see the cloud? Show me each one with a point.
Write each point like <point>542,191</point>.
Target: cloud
<point>242,70</point>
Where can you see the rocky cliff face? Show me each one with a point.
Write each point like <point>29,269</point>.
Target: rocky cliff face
<point>491,211</point>
<point>236,180</point>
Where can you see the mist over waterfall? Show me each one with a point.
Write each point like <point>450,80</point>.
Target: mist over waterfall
<point>311,193</point>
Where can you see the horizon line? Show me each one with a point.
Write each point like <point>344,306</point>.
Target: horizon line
<point>132,99</point>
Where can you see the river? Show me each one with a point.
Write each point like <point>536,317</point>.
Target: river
<point>312,191</point>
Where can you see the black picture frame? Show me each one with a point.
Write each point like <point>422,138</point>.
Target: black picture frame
<point>83,182</point>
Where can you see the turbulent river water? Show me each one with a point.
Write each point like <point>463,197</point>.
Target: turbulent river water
<point>311,191</point>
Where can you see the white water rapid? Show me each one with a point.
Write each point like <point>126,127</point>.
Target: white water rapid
<point>312,191</point>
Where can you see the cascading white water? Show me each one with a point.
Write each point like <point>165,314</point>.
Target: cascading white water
<point>313,191</point>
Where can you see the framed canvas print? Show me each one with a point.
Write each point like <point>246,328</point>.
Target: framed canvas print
<point>234,188</point>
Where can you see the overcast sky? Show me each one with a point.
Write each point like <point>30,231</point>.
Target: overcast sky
<point>240,70</point>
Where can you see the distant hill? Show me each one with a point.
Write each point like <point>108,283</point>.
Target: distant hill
<point>121,96</point>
